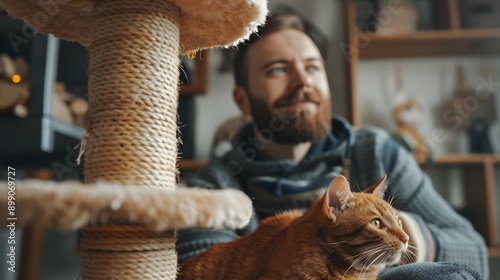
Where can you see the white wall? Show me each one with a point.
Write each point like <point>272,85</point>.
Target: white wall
<point>217,105</point>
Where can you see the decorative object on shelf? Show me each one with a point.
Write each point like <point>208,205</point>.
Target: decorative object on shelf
<point>473,111</point>
<point>480,13</point>
<point>130,144</point>
<point>370,14</point>
<point>366,15</point>
<point>14,90</point>
<point>13,69</point>
<point>405,20</point>
<point>477,171</point>
<point>479,136</point>
<point>68,107</point>
<point>426,14</point>
<point>60,110</point>
<point>13,98</point>
<point>407,114</point>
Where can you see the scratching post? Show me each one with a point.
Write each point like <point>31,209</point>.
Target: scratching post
<point>129,251</point>
<point>129,206</point>
<point>133,83</point>
<point>133,74</point>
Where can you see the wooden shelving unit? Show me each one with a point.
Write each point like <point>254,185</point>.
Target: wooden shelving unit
<point>430,43</point>
<point>40,133</point>
<point>466,159</point>
<point>191,164</point>
<point>447,38</point>
<point>496,158</point>
<point>494,252</point>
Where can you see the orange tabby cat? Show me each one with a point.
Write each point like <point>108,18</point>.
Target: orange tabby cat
<point>343,235</point>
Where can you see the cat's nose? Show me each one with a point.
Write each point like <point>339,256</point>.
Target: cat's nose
<point>404,237</point>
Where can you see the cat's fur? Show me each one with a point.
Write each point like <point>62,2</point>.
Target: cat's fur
<point>336,238</point>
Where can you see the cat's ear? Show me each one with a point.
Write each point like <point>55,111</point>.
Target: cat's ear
<point>378,188</point>
<point>337,197</point>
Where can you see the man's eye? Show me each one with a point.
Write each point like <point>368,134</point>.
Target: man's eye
<point>277,70</point>
<point>313,68</point>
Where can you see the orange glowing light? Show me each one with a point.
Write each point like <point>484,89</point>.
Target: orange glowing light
<point>16,79</point>
<point>191,54</point>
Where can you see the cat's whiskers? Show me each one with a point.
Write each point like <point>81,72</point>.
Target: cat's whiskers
<point>363,257</point>
<point>411,247</point>
<point>354,263</point>
<point>332,243</point>
<point>371,263</point>
<point>386,257</point>
<point>185,74</point>
<point>358,187</point>
<point>412,257</point>
<point>394,199</point>
<point>395,202</point>
<point>372,248</point>
<point>391,199</point>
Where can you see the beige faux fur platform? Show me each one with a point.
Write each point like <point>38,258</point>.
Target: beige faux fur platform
<point>71,205</point>
<point>203,23</point>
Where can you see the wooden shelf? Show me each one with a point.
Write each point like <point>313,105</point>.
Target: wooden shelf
<point>496,158</point>
<point>429,43</point>
<point>466,158</point>
<point>494,252</point>
<point>191,164</point>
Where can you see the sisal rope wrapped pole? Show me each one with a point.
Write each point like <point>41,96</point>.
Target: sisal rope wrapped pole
<point>131,132</point>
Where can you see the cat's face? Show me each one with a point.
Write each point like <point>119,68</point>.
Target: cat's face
<point>362,227</point>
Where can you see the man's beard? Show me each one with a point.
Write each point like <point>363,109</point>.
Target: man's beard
<point>286,125</point>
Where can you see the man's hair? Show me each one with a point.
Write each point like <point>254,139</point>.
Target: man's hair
<point>274,23</point>
<point>284,18</point>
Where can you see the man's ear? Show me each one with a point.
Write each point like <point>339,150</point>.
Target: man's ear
<point>240,96</point>
<point>337,196</point>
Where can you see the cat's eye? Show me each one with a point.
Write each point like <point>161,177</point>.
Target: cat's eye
<point>376,223</point>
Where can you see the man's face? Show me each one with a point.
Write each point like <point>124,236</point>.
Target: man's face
<point>288,89</point>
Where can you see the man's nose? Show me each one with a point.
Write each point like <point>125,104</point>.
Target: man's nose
<point>300,77</point>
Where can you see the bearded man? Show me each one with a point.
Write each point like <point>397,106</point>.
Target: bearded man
<point>286,157</point>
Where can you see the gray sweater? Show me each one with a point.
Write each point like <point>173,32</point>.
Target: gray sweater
<point>276,186</point>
